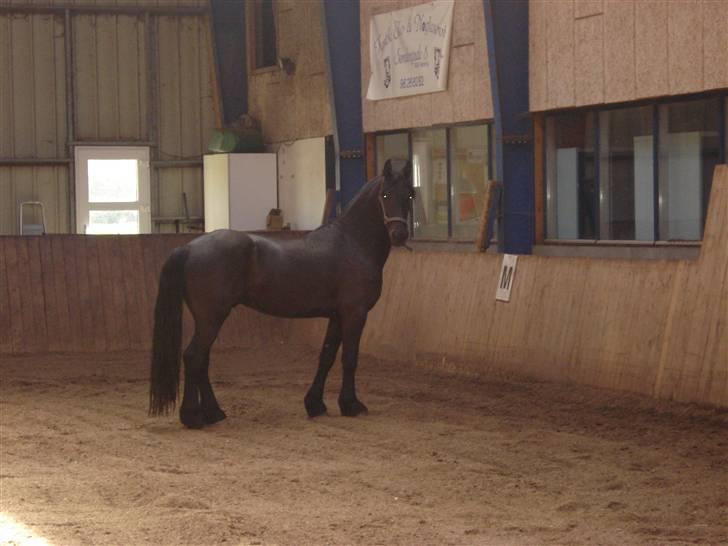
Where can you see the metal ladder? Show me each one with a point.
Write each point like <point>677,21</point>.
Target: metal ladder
<point>33,229</point>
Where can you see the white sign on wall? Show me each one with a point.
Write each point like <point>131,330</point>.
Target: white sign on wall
<point>505,282</point>
<point>409,50</point>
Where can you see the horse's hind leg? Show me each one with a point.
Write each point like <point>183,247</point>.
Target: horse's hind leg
<point>314,400</point>
<point>211,411</point>
<point>199,406</point>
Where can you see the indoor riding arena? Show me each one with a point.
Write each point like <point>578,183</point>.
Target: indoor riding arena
<point>544,360</point>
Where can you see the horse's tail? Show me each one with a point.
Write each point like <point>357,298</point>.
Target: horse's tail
<point>164,377</point>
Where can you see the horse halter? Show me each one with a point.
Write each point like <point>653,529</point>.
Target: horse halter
<point>389,219</point>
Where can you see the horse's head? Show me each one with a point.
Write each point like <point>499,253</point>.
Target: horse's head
<point>396,195</point>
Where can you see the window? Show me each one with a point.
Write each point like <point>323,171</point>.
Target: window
<point>112,190</point>
<point>450,168</point>
<point>429,176</point>
<point>626,191</point>
<point>570,181</point>
<point>392,146</point>
<point>469,173</point>
<point>689,151</point>
<point>264,34</point>
<point>650,179</point>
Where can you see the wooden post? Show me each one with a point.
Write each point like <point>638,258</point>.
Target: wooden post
<point>371,157</point>
<point>482,242</point>
<point>214,75</point>
<point>538,178</point>
<point>329,205</point>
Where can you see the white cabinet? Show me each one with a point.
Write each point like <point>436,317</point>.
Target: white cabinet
<point>240,190</point>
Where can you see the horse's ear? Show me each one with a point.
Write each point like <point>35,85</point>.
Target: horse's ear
<point>387,172</point>
<point>407,171</point>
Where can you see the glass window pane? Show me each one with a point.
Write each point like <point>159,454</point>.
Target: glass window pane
<point>689,152</point>
<point>469,174</point>
<point>395,146</point>
<point>626,179</point>
<point>113,222</point>
<point>429,173</point>
<point>113,181</point>
<point>570,176</point>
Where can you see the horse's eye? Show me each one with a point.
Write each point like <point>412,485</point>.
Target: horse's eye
<point>385,196</point>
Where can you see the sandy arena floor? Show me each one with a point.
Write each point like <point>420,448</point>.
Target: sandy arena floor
<point>439,460</point>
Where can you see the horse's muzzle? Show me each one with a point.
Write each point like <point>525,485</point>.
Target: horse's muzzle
<point>398,234</point>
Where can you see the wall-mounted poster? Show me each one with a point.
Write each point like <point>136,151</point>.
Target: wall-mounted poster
<point>409,50</point>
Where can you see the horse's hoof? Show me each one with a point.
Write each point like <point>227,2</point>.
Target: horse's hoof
<point>213,416</point>
<point>352,408</point>
<point>314,406</point>
<point>192,418</point>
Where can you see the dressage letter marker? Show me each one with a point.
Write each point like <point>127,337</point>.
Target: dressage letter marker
<point>505,282</point>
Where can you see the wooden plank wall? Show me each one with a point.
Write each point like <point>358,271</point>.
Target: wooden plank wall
<point>659,328</point>
<point>586,52</point>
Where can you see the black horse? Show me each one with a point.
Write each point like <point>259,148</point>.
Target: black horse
<point>334,272</point>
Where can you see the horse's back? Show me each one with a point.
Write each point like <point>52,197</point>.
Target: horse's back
<point>283,276</point>
<point>311,276</point>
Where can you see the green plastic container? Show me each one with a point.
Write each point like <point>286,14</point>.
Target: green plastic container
<point>229,141</point>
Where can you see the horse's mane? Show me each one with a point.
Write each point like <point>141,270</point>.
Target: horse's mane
<point>363,193</point>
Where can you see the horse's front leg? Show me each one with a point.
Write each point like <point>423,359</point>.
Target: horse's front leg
<point>352,326</point>
<point>314,400</point>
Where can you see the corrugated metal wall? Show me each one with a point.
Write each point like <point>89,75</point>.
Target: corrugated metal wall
<point>33,116</point>
<point>138,77</point>
<point>185,113</point>
<point>110,73</point>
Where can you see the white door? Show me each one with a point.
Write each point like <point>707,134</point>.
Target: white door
<point>112,190</point>
<point>302,182</point>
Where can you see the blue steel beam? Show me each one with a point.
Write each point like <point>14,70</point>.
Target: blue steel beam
<point>342,47</point>
<point>506,23</point>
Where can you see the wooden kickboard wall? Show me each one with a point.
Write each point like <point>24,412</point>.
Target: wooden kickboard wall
<point>73,293</point>
<point>658,328</point>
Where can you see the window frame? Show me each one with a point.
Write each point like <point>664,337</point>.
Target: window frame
<point>252,38</point>
<point>549,158</point>
<point>83,154</point>
<point>656,105</point>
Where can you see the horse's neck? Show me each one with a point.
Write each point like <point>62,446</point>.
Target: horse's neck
<point>364,223</point>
